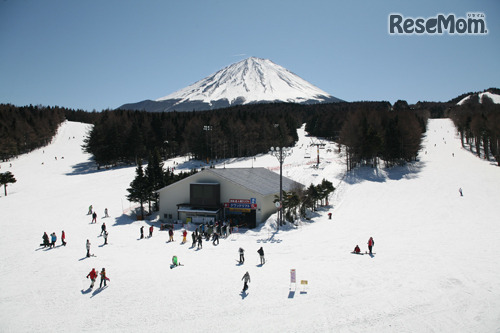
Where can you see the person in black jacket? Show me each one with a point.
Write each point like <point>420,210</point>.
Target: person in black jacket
<point>261,253</point>
<point>242,257</point>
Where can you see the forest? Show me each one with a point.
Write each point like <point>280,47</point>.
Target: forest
<point>367,133</point>
<point>23,129</point>
<point>478,124</point>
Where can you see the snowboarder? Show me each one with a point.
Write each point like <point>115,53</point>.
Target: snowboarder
<point>371,243</point>
<point>105,238</point>
<point>184,235</point>
<point>63,238</point>
<point>242,256</point>
<point>93,276</point>
<point>460,191</point>
<point>200,241</point>
<point>103,228</point>
<point>106,212</point>
<point>88,248</point>
<point>53,239</point>
<point>94,217</point>
<point>142,232</point>
<point>261,253</point>
<point>104,278</point>
<point>170,235</point>
<point>357,249</point>
<point>175,262</point>
<point>246,279</point>
<point>46,241</point>
<point>150,231</point>
<point>90,210</point>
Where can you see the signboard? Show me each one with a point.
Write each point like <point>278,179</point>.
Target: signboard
<point>242,205</point>
<point>292,276</point>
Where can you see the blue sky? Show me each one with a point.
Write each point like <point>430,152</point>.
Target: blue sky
<point>101,54</point>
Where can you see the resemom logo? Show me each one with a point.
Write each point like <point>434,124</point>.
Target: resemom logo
<point>471,24</point>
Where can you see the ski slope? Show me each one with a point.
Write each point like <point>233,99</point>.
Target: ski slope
<point>435,267</point>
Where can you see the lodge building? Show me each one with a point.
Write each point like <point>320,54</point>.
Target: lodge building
<point>243,195</point>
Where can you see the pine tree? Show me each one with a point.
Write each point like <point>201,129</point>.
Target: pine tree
<point>6,178</point>
<point>138,191</point>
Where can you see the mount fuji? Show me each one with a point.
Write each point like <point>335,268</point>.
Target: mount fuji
<point>252,80</point>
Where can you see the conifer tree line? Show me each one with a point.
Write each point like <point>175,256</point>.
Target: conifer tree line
<point>23,129</point>
<point>478,124</point>
<point>151,179</point>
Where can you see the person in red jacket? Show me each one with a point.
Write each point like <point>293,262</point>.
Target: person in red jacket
<point>357,249</point>
<point>150,231</point>
<point>93,276</point>
<point>371,243</point>
<point>184,235</point>
<point>63,238</point>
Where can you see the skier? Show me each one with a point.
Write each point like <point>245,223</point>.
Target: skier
<point>93,276</point>
<point>150,231</point>
<point>261,253</point>
<point>193,236</point>
<point>184,235</point>
<point>106,212</point>
<point>142,232</point>
<point>357,250</point>
<point>105,238</point>
<point>90,210</point>
<point>88,248</point>
<point>246,279</point>
<point>104,278</point>
<point>170,235</point>
<point>63,238</point>
<point>460,191</point>
<point>200,240</point>
<point>46,241</point>
<point>103,228</point>
<point>216,239</point>
<point>242,257</point>
<point>53,238</point>
<point>371,243</point>
<point>94,217</point>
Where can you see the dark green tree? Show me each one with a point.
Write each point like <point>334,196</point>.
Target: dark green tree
<point>7,178</point>
<point>138,191</point>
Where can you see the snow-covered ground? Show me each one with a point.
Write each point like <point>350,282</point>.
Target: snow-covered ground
<point>435,267</point>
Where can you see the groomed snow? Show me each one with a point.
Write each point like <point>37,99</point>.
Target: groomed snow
<point>494,97</point>
<point>435,267</point>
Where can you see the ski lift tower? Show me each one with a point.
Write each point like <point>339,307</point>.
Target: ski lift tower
<point>318,144</point>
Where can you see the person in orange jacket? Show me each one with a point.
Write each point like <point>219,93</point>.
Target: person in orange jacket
<point>93,276</point>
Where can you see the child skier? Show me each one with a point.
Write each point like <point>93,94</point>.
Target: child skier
<point>90,210</point>
<point>170,235</point>
<point>105,238</point>
<point>103,228</point>
<point>63,238</point>
<point>246,279</point>
<point>150,231</point>
<point>94,217</point>
<point>93,276</point>
<point>193,235</point>
<point>184,235</point>
<point>54,239</point>
<point>106,212</point>
<point>200,240</point>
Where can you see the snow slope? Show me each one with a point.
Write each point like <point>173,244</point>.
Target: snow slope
<point>435,267</point>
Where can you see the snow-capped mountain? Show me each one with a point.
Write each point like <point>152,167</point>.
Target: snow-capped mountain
<point>252,80</point>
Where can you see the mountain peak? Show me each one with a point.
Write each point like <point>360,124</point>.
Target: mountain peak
<point>251,80</point>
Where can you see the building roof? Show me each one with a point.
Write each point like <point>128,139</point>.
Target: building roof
<point>259,180</point>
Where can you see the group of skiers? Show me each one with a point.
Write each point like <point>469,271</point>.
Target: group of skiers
<point>371,244</point>
<point>51,242</point>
